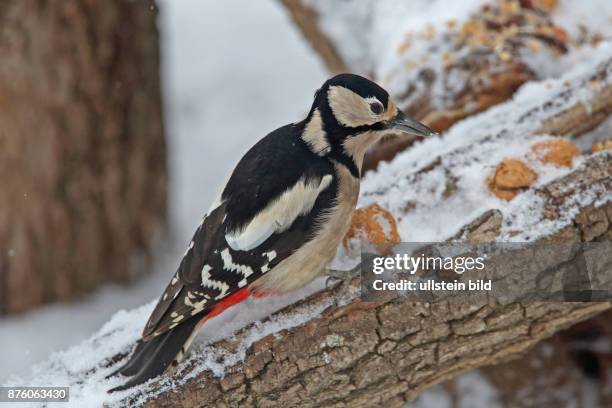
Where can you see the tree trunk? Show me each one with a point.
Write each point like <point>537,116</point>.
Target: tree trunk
<point>82,156</point>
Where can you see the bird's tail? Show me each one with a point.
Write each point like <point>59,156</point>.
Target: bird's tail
<point>151,358</point>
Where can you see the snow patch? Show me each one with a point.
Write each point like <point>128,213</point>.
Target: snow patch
<point>84,367</point>
<point>468,153</point>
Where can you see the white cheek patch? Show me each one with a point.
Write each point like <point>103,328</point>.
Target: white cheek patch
<point>279,214</point>
<point>350,109</point>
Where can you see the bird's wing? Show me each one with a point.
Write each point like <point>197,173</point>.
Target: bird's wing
<point>220,260</point>
<point>279,215</point>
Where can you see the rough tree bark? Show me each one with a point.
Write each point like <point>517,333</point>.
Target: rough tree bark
<point>82,152</point>
<point>556,364</point>
<point>386,353</point>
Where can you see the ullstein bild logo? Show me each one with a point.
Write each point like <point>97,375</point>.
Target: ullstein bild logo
<point>499,273</point>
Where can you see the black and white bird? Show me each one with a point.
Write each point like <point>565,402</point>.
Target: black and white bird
<point>277,222</point>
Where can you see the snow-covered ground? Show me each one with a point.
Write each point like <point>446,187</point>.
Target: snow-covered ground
<point>233,70</point>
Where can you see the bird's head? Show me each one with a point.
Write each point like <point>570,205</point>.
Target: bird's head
<point>349,114</point>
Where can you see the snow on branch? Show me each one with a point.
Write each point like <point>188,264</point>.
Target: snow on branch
<point>367,354</point>
<point>441,184</point>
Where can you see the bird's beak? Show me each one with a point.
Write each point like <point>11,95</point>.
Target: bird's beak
<point>404,124</point>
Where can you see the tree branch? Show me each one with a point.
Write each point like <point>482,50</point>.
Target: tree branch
<point>364,354</point>
<point>306,19</point>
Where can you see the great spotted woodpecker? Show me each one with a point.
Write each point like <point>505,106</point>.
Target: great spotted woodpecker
<point>277,222</point>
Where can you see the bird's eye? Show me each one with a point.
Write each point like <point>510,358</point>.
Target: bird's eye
<point>376,107</point>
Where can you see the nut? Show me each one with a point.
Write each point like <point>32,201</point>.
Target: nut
<point>513,174</point>
<point>511,177</point>
<point>501,193</point>
<point>558,151</point>
<point>373,224</point>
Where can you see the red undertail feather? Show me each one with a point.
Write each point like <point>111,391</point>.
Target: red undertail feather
<point>226,303</point>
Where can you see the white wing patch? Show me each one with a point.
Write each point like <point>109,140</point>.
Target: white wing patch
<point>270,255</point>
<point>222,287</point>
<point>228,264</point>
<point>279,214</point>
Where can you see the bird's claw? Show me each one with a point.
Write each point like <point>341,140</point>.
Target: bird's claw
<point>340,280</point>
<point>330,281</point>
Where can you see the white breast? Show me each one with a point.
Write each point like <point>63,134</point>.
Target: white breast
<point>308,262</point>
